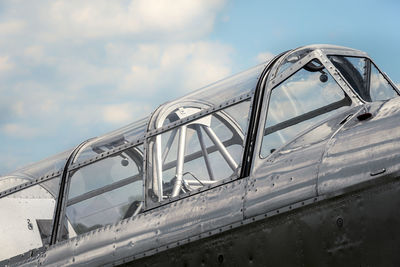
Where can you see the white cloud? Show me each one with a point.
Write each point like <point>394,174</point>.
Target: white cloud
<point>9,162</point>
<point>5,64</point>
<point>32,99</point>
<point>117,114</point>
<point>80,73</point>
<point>101,18</point>
<point>159,73</point>
<point>208,63</point>
<point>264,56</point>
<point>181,67</point>
<point>124,113</point>
<point>35,53</point>
<point>11,27</point>
<point>20,130</point>
<point>18,108</point>
<point>83,68</point>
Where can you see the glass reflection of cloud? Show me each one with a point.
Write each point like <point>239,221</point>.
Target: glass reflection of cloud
<point>292,104</point>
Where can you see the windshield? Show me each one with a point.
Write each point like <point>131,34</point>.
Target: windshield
<point>364,77</point>
<point>303,100</point>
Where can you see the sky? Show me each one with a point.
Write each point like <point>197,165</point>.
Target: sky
<point>71,70</point>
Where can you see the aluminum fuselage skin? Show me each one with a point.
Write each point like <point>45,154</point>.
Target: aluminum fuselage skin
<point>328,197</point>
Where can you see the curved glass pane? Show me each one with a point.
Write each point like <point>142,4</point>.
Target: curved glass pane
<point>292,58</point>
<point>364,77</point>
<point>211,95</point>
<point>103,209</point>
<point>9,181</point>
<point>36,170</point>
<point>303,100</point>
<point>198,153</point>
<point>106,171</point>
<point>228,88</point>
<point>27,219</point>
<point>105,192</point>
<point>380,88</point>
<point>111,140</point>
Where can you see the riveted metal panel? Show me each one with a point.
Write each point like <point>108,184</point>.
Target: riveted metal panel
<point>185,218</point>
<point>285,179</point>
<point>355,229</point>
<point>363,150</point>
<point>290,174</point>
<point>340,227</point>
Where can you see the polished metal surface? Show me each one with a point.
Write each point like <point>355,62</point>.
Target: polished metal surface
<point>363,150</point>
<point>329,196</point>
<point>186,218</point>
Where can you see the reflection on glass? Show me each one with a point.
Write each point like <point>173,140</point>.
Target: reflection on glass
<point>29,220</point>
<point>105,192</point>
<point>106,171</point>
<point>304,99</point>
<point>364,78</point>
<point>36,170</point>
<point>211,95</point>
<point>228,88</point>
<point>292,58</point>
<point>106,208</point>
<point>198,153</point>
<point>380,88</point>
<point>112,140</point>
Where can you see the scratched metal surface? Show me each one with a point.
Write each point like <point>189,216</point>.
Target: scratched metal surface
<point>354,229</point>
<point>334,159</point>
<point>290,174</point>
<point>363,150</point>
<point>176,221</point>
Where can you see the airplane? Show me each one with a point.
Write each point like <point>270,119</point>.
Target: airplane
<point>293,162</point>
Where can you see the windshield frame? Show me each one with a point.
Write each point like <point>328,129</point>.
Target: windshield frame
<point>273,80</point>
<point>371,62</point>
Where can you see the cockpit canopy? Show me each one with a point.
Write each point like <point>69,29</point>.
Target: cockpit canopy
<point>195,142</point>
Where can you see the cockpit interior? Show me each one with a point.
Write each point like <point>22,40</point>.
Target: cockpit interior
<point>186,146</point>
